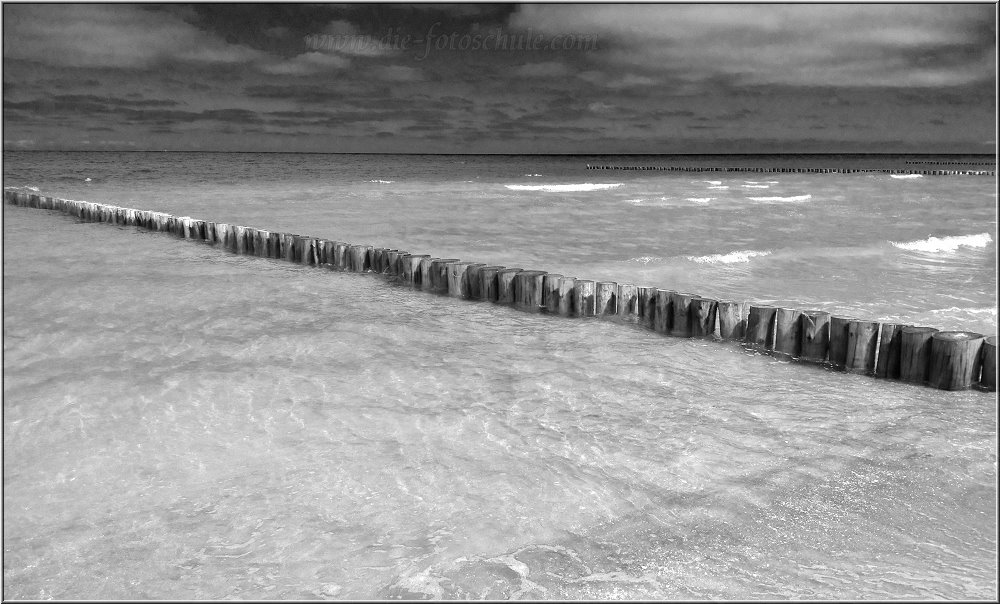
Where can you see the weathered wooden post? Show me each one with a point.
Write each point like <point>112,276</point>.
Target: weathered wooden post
<point>288,247</point>
<point>239,239</point>
<point>703,317</point>
<point>606,299</point>
<point>814,335</point>
<point>475,278</point>
<point>955,359</point>
<point>489,283</point>
<point>584,291</point>
<point>411,268</point>
<point>788,332</point>
<point>567,297</point>
<point>379,261</point>
<point>274,245</point>
<point>550,292</point>
<point>425,273</point>
<point>221,235</point>
<point>915,353</point>
<point>680,314</point>
<point>732,320</point>
<point>361,258</point>
<point>862,342</point>
<point>646,306</point>
<point>458,281</point>
<point>760,326</point>
<point>305,250</point>
<point>342,255</point>
<point>528,290</point>
<point>439,274</point>
<point>395,262</point>
<point>505,285</point>
<point>628,297</point>
<point>838,341</point>
<point>988,379</point>
<point>662,311</point>
<point>889,348</point>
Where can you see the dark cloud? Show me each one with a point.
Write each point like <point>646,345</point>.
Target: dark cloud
<point>660,78</point>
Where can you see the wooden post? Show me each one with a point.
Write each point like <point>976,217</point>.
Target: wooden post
<point>379,260</point>
<point>458,282</point>
<point>361,258</point>
<point>732,320</point>
<point>305,250</point>
<point>646,305</point>
<point>889,347</point>
<point>662,312</point>
<point>274,243</point>
<point>915,353</point>
<point>703,317</point>
<point>411,268</point>
<point>438,276</point>
<point>838,340</point>
<point>606,299</point>
<point>319,249</point>
<point>584,292</point>
<point>814,336</point>
<point>474,276</point>
<point>425,273</point>
<point>862,342</point>
<point>221,234</point>
<point>760,326</point>
<point>395,267</point>
<point>288,247</point>
<point>489,283</point>
<point>954,359</point>
<point>680,314</point>
<point>567,297</point>
<point>628,301</point>
<point>505,285</point>
<point>342,255</point>
<point>788,332</point>
<point>528,290</point>
<point>988,379</point>
<point>550,292</point>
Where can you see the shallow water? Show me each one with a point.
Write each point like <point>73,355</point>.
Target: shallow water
<point>180,422</point>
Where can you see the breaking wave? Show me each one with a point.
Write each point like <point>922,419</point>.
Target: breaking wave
<point>906,176</point>
<point>805,197</point>
<point>586,186</point>
<point>730,258</point>
<point>945,244</point>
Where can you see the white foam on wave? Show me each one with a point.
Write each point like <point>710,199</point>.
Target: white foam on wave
<point>756,186</point>
<point>645,259</point>
<point>700,199</point>
<point>945,244</point>
<point>906,176</point>
<point>384,182</point>
<point>712,182</point>
<point>793,198</point>
<point>585,186</point>
<point>991,310</point>
<point>730,258</point>
<point>719,187</point>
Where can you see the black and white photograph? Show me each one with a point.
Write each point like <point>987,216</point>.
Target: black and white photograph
<point>487,301</point>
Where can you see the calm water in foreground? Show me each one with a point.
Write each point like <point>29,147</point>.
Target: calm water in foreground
<point>184,423</point>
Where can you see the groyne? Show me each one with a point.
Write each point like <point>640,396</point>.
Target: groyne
<point>948,360</point>
<point>756,169</point>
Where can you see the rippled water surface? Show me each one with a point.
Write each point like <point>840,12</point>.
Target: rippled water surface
<point>180,422</point>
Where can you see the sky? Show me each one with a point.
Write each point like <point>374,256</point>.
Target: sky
<point>501,78</point>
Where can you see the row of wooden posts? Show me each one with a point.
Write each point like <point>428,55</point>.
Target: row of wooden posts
<point>953,163</point>
<point>798,170</point>
<point>951,360</point>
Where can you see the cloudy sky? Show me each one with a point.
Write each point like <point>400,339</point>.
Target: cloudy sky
<point>485,78</point>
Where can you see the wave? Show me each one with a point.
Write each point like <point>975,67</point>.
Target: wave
<point>586,186</point>
<point>906,176</point>
<point>805,197</point>
<point>989,310</point>
<point>645,259</point>
<point>700,199</point>
<point>945,244</point>
<point>712,182</point>
<point>730,258</point>
<point>756,186</point>
<point>719,187</point>
<point>384,182</point>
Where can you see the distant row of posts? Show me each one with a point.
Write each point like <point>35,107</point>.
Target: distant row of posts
<point>949,360</point>
<point>797,170</point>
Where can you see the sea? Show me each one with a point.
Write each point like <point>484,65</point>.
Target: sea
<point>180,422</point>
